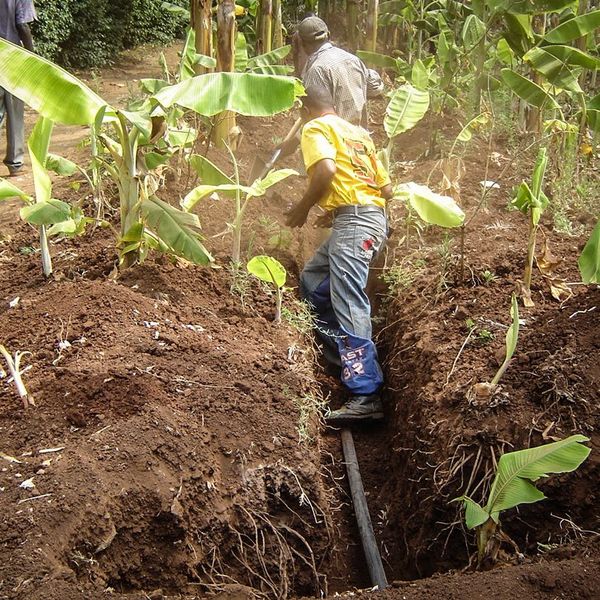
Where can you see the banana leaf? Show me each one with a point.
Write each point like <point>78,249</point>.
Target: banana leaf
<point>46,87</point>
<point>589,261</point>
<point>527,90</point>
<point>516,471</point>
<point>267,269</point>
<point>8,190</point>
<point>574,28</point>
<point>46,212</point>
<point>557,72</point>
<point>405,109</point>
<point>179,230</point>
<point>249,94</point>
<point>431,207</point>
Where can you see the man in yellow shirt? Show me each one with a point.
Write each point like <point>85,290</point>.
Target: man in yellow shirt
<point>349,183</point>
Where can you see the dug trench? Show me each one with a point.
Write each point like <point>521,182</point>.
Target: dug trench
<point>175,449</point>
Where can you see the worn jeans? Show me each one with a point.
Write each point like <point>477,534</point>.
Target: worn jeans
<point>13,109</point>
<point>334,282</point>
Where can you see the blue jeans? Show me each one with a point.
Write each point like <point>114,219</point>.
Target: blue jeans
<point>334,282</point>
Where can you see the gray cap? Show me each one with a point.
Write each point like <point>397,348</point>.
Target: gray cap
<point>313,29</point>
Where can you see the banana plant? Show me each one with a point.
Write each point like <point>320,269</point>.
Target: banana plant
<point>589,261</point>
<point>433,208</point>
<point>486,390</point>
<point>532,201</point>
<point>49,215</point>
<point>407,106</point>
<point>270,270</point>
<point>215,181</point>
<point>146,221</point>
<point>514,485</point>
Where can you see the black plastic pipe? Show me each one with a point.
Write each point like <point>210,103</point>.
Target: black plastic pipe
<point>361,510</point>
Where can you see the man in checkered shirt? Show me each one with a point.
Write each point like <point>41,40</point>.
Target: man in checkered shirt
<point>15,15</point>
<point>345,77</point>
<point>341,76</point>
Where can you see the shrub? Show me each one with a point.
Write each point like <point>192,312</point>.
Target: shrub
<point>89,33</point>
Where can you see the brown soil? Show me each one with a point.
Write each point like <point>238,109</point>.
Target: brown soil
<point>172,408</point>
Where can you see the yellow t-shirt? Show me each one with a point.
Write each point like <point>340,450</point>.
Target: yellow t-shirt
<point>359,175</point>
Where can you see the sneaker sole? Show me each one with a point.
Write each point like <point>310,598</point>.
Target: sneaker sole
<point>351,419</point>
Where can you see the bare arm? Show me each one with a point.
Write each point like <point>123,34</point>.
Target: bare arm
<point>25,35</point>
<point>387,192</point>
<point>320,183</point>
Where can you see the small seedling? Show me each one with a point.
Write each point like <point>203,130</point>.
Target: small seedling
<point>532,202</point>
<point>485,336</point>
<point>489,277</point>
<point>271,271</point>
<point>513,485</point>
<point>486,390</point>
<point>14,366</point>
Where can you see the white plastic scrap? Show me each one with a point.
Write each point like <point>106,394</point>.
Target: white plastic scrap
<point>489,185</point>
<point>27,484</point>
<point>14,302</point>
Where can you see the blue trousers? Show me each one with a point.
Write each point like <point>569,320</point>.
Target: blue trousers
<point>334,282</point>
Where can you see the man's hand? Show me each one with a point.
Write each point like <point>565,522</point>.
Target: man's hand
<point>288,147</point>
<point>297,215</point>
<point>324,221</point>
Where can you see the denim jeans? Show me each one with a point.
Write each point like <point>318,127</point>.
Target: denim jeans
<point>13,109</point>
<point>334,282</point>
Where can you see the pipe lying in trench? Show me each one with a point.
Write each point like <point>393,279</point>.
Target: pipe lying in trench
<point>361,510</point>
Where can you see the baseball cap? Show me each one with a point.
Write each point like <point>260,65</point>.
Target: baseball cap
<point>313,29</point>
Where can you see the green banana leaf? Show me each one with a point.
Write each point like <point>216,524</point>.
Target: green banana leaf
<point>519,33</point>
<point>151,86</point>
<point>475,124</point>
<point>208,172</point>
<point>516,471</point>
<point>38,143</point>
<point>573,56</point>
<point>574,28</point>
<point>258,188</point>
<point>8,190</point>
<point>512,337</point>
<point>473,32</point>
<point>392,6</point>
<point>46,212</point>
<point>249,94</point>
<point>527,90</point>
<point>505,53</point>
<point>267,269</point>
<point>522,7</point>
<point>48,89</point>
<point>179,230</point>
<point>270,58</point>
<point>60,165</point>
<point>589,261</point>
<point>374,59</point>
<point>431,207</point>
<point>558,72</point>
<point>241,52</point>
<point>405,109</point>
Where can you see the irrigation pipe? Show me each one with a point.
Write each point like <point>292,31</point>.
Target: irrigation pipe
<point>361,510</point>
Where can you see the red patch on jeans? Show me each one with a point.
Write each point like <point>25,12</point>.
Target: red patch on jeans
<point>367,244</point>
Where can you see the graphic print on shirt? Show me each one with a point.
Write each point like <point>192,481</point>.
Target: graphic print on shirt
<point>362,161</point>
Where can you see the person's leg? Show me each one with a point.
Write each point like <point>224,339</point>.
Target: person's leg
<point>15,132</point>
<point>315,288</point>
<point>354,244</point>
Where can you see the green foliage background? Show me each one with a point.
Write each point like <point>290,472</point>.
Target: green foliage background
<point>89,33</point>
